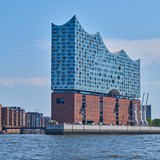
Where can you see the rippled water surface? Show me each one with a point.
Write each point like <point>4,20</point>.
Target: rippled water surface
<point>45,147</point>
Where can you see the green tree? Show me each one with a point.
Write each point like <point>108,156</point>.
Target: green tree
<point>156,122</point>
<point>149,121</point>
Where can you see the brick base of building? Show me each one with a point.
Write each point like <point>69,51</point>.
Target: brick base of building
<point>92,109</point>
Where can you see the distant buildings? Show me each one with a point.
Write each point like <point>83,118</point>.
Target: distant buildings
<point>46,120</point>
<point>20,116</point>
<point>148,113</point>
<point>34,119</point>
<point>89,83</point>
<point>12,117</point>
<point>16,117</point>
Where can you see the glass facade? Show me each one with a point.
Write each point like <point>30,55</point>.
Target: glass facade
<point>81,62</point>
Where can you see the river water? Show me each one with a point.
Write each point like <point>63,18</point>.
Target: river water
<point>96,147</point>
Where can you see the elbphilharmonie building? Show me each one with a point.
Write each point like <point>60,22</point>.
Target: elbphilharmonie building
<point>81,64</point>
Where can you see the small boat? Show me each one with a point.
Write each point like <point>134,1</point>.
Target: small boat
<point>3,132</point>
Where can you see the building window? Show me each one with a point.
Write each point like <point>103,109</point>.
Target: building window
<point>60,100</point>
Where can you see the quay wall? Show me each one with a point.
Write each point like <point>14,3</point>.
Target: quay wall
<point>33,131</point>
<point>24,131</point>
<point>13,131</point>
<point>64,129</point>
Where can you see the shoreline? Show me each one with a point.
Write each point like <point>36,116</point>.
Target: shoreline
<point>75,129</point>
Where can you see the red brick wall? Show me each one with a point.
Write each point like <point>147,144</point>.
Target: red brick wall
<point>123,111</point>
<point>69,111</point>
<point>11,117</point>
<point>5,116</point>
<point>109,114</point>
<point>93,108</point>
<point>20,117</point>
<point>77,108</point>
<point>15,118</point>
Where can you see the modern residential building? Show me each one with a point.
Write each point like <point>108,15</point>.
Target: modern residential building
<point>5,117</point>
<point>148,113</point>
<point>12,117</point>
<point>89,83</point>
<point>16,118</point>
<point>46,120</point>
<point>20,115</point>
<point>34,119</point>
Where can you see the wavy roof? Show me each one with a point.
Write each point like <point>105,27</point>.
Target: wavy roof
<point>74,18</point>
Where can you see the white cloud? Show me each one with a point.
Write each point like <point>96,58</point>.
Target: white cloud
<point>146,50</point>
<point>20,81</point>
<point>43,45</point>
<point>152,83</point>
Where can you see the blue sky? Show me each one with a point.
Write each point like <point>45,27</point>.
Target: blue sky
<point>25,34</point>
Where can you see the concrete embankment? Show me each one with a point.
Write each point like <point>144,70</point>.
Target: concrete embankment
<point>66,129</point>
<point>25,131</point>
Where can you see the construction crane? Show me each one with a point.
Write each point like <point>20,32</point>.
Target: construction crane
<point>141,110</point>
<point>135,113</point>
<point>145,111</point>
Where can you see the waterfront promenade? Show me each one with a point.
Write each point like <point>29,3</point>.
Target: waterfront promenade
<point>64,129</point>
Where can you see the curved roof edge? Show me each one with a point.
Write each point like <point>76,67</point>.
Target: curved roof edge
<point>74,17</point>
<point>97,34</point>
